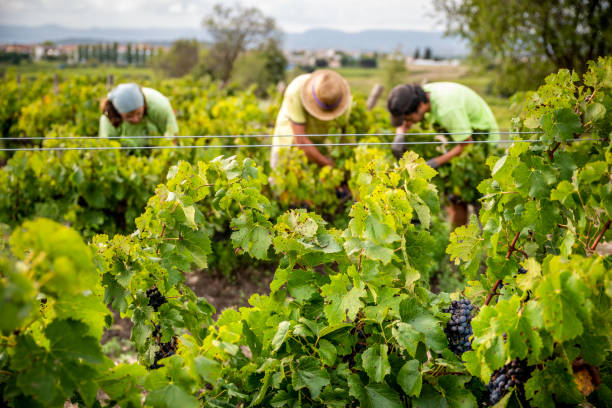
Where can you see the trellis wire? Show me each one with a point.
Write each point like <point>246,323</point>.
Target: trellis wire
<point>275,145</point>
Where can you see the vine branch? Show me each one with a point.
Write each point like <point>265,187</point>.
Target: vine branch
<point>511,249</point>
<point>600,235</point>
<point>552,152</point>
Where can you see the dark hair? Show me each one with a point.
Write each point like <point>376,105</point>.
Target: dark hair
<point>108,110</point>
<point>113,115</point>
<point>419,97</point>
<point>405,99</point>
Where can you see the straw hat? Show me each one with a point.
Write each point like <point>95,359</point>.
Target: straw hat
<point>326,95</point>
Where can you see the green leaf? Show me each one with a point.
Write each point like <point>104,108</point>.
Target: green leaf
<point>594,112</point>
<point>252,340</point>
<point>407,337</point>
<point>375,362</point>
<point>562,298</point>
<point>427,324</point>
<point>341,303</point>
<point>281,334</point>
<point>251,236</point>
<point>456,393</point>
<point>327,352</point>
<point>308,373</point>
<point>189,212</point>
<point>373,395</point>
<point>429,398</point>
<point>410,378</point>
<point>206,368</point>
<point>465,241</point>
<point>171,396</point>
<point>198,245</point>
<point>563,126</point>
<point>563,193</point>
<point>69,339</point>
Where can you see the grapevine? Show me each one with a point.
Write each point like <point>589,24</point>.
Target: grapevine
<point>351,319</point>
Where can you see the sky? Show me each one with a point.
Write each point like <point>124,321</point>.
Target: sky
<point>290,15</point>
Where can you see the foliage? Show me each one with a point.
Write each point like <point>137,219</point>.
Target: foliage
<point>264,67</point>
<point>394,69</point>
<point>235,30</point>
<point>180,59</point>
<point>350,320</point>
<point>531,39</point>
<point>546,207</point>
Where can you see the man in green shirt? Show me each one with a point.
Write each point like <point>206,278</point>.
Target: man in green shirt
<point>130,110</point>
<point>453,107</point>
<point>310,104</point>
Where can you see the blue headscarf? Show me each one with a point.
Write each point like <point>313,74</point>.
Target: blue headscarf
<point>126,97</point>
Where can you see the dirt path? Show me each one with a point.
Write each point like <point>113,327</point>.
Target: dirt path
<point>220,291</point>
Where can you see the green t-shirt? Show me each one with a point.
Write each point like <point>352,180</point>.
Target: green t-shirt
<point>159,120</point>
<point>292,110</point>
<point>457,108</point>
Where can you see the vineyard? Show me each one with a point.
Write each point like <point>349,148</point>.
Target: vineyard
<point>373,302</point>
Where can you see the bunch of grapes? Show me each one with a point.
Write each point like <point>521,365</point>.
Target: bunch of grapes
<point>156,299</point>
<point>165,349</point>
<point>459,328</point>
<point>515,373</point>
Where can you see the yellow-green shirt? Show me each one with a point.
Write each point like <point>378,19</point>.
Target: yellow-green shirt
<point>457,108</point>
<point>292,110</point>
<point>159,120</point>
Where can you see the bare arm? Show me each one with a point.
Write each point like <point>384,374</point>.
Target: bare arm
<point>454,152</point>
<point>311,152</point>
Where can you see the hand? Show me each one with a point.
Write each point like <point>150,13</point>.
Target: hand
<point>329,162</point>
<point>404,127</point>
<point>432,163</point>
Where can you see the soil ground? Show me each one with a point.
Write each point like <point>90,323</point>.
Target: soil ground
<point>222,292</point>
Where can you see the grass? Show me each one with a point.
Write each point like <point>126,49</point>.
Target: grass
<point>362,80</point>
<point>52,67</point>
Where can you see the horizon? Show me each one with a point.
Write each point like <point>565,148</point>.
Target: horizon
<point>290,16</point>
<point>321,28</point>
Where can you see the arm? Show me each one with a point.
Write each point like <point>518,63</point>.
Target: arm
<point>312,153</point>
<point>398,147</point>
<point>446,157</point>
<point>106,128</point>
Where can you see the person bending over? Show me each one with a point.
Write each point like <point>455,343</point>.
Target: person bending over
<point>453,107</point>
<point>129,110</point>
<point>310,103</point>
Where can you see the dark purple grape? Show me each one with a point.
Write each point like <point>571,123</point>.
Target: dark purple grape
<point>156,299</point>
<point>459,327</point>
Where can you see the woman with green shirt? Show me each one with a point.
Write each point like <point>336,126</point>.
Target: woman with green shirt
<point>310,104</point>
<point>129,110</point>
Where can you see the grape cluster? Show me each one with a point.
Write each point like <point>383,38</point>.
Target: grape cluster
<point>165,349</point>
<point>156,299</point>
<point>459,328</point>
<point>515,373</point>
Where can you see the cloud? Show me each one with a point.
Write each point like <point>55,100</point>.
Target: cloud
<point>291,15</point>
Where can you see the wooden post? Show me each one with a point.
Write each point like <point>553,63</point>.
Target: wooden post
<point>374,95</point>
<point>19,87</point>
<point>55,84</point>
<point>110,81</point>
